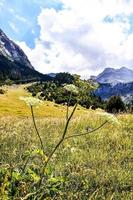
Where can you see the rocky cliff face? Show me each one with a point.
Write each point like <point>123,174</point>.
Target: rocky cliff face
<point>14,64</point>
<point>12,51</point>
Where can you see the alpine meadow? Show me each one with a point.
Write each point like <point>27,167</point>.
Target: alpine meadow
<point>66,100</point>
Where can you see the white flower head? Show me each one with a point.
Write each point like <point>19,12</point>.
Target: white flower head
<point>71,88</point>
<point>109,117</point>
<point>31,101</point>
<point>73,149</point>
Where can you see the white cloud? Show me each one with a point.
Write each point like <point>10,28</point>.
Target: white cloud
<point>20,18</point>
<point>78,39</point>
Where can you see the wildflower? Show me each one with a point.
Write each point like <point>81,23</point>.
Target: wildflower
<point>73,149</point>
<point>109,117</point>
<point>71,88</point>
<point>31,101</point>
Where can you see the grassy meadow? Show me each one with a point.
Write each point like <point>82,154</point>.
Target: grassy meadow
<point>11,105</point>
<point>95,166</point>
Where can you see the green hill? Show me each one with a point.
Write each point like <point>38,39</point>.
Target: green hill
<point>11,105</point>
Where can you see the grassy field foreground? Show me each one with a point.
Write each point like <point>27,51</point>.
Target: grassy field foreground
<point>95,166</point>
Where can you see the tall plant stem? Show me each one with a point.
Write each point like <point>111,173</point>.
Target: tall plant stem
<point>60,141</point>
<point>82,134</point>
<point>36,129</point>
<point>68,103</point>
<point>63,136</point>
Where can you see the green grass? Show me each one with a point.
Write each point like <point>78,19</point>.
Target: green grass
<point>96,166</point>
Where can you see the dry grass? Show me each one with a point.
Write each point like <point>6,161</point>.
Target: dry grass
<point>11,105</point>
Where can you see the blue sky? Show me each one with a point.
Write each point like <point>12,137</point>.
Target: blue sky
<point>77,36</point>
<point>18,18</point>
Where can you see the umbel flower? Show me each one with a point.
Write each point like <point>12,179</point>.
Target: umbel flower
<point>109,117</point>
<point>31,101</point>
<point>71,88</point>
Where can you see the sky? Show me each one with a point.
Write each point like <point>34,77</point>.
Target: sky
<point>76,36</point>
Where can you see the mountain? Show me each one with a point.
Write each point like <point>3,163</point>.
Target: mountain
<point>114,76</point>
<point>115,82</point>
<point>52,74</point>
<point>14,64</point>
<point>106,90</point>
<point>12,51</point>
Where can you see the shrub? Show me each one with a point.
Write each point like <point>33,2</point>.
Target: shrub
<point>62,78</point>
<point>65,85</point>
<point>115,105</point>
<point>2,91</point>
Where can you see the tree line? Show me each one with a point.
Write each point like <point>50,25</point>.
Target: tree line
<point>55,91</point>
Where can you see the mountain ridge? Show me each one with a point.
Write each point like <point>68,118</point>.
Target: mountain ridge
<point>115,82</point>
<point>114,76</point>
<point>10,49</point>
<point>14,64</point>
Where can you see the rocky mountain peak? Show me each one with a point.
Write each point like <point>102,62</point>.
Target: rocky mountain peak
<point>14,63</point>
<point>12,51</point>
<point>114,76</point>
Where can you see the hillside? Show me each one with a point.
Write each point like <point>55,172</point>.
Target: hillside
<point>11,105</point>
<point>14,64</point>
<point>67,88</point>
<point>124,90</point>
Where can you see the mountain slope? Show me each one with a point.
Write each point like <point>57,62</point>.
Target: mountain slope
<point>114,76</point>
<point>12,51</point>
<point>122,89</point>
<point>115,82</point>
<point>11,104</point>
<point>14,64</point>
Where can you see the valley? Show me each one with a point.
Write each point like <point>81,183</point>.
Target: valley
<point>63,137</point>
